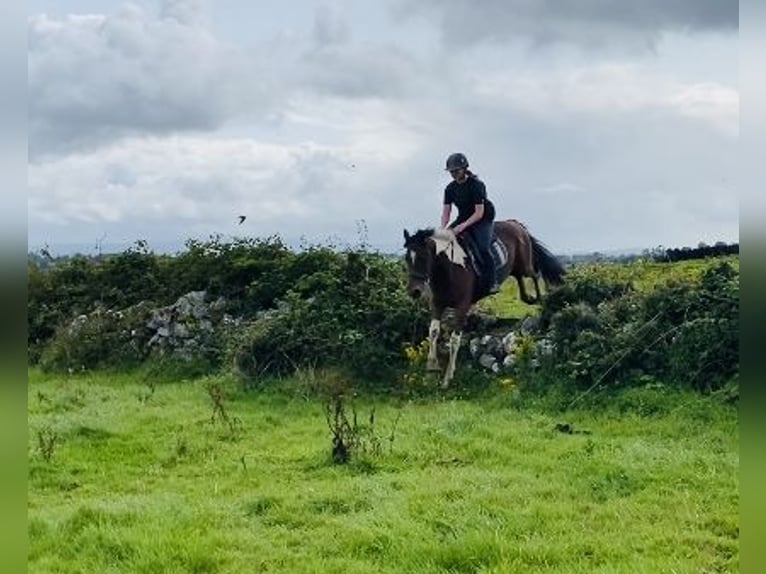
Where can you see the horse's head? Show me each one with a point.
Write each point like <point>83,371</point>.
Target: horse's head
<point>419,257</point>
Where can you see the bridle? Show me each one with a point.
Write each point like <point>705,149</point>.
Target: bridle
<point>418,275</point>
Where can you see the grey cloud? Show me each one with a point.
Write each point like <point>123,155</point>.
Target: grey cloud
<point>94,78</point>
<point>588,23</point>
<point>333,65</point>
<point>187,12</point>
<point>330,25</point>
<point>636,177</point>
<point>377,71</point>
<point>615,170</point>
<point>616,180</point>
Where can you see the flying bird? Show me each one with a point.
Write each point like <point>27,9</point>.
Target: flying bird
<point>242,219</point>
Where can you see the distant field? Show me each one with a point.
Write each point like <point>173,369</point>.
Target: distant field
<point>642,274</point>
<point>142,481</point>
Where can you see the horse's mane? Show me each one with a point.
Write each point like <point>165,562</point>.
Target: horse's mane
<point>422,234</point>
<point>444,239</point>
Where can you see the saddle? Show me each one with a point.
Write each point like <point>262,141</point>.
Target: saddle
<point>497,248</point>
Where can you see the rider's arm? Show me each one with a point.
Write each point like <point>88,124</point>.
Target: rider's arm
<point>478,213</point>
<point>446,210</point>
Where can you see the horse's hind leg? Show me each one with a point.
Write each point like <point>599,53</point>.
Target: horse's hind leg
<point>536,281</point>
<point>523,291</point>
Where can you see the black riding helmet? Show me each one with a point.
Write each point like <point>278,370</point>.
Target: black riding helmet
<point>456,161</point>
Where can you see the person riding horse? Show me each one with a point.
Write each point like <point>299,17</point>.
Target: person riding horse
<point>476,213</point>
<point>438,264</point>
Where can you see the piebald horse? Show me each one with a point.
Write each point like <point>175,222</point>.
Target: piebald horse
<point>437,261</point>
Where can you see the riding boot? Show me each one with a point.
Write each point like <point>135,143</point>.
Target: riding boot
<point>493,287</point>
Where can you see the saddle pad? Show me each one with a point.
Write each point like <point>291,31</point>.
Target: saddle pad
<point>497,248</point>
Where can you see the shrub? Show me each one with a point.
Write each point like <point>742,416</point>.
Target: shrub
<point>250,274</point>
<point>102,338</point>
<point>357,318</point>
<point>685,331</point>
<point>589,286</point>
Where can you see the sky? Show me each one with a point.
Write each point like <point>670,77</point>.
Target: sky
<point>602,125</point>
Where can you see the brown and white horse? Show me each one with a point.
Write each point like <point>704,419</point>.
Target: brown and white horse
<point>437,261</point>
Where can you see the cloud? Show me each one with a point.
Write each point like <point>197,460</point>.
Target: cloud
<point>183,178</point>
<point>331,28</point>
<point>558,188</point>
<point>93,78</point>
<point>597,157</point>
<point>186,12</point>
<point>366,71</point>
<point>332,64</point>
<point>151,125</point>
<point>591,24</point>
<point>188,186</point>
<point>96,78</point>
<point>608,90</point>
<point>710,102</point>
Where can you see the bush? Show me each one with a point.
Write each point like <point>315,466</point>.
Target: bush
<point>589,287</point>
<point>357,318</point>
<point>685,331</point>
<point>705,351</point>
<point>313,308</point>
<point>250,274</point>
<point>102,338</point>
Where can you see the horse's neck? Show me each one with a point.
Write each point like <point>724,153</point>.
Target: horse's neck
<point>445,241</point>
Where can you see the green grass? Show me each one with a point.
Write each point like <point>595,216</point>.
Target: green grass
<point>646,274</point>
<point>143,481</point>
<point>507,303</point>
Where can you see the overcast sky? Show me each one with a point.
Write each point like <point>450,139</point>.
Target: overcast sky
<point>600,124</point>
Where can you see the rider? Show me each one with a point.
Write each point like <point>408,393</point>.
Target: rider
<point>476,213</point>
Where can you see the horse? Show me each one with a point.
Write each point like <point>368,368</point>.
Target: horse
<point>440,262</point>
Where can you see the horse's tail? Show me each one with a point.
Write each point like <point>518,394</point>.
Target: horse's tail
<point>547,263</point>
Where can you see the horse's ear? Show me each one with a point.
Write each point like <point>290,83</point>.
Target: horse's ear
<point>406,236</point>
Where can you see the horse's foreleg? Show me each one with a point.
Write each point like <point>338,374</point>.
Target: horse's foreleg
<point>454,347</point>
<point>432,363</point>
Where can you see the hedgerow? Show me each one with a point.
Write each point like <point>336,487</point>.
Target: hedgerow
<point>609,334</point>
<point>316,306</point>
<point>319,307</point>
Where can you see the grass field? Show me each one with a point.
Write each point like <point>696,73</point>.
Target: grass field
<point>125,477</point>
